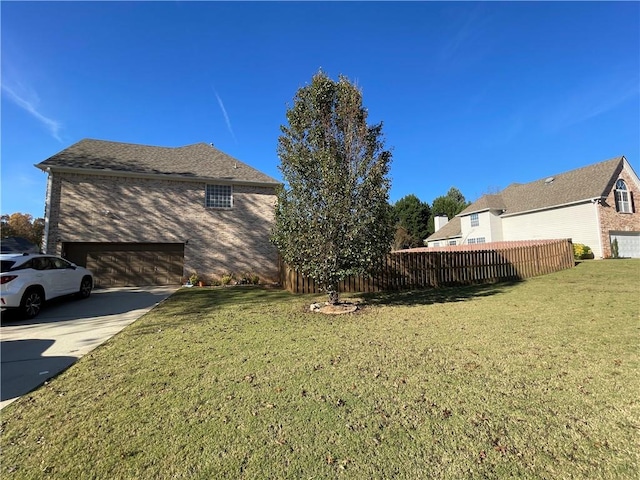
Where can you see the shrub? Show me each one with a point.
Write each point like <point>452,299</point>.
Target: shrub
<point>226,278</point>
<point>581,252</point>
<point>249,279</point>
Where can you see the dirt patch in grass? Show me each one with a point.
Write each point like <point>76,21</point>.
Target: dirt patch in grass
<point>339,308</point>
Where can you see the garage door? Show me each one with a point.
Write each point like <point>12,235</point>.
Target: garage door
<point>129,264</point>
<point>628,243</point>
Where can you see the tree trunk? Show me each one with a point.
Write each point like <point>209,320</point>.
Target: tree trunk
<point>333,295</point>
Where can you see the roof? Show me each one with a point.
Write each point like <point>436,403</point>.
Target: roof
<point>575,186</point>
<point>199,160</point>
<point>452,229</point>
<point>487,202</point>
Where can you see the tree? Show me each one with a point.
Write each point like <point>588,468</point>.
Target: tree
<point>412,216</point>
<point>332,218</point>
<point>23,225</point>
<point>450,205</point>
<point>402,238</point>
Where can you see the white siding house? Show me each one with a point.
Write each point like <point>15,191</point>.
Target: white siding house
<point>593,205</point>
<point>578,222</point>
<point>481,227</point>
<point>447,232</point>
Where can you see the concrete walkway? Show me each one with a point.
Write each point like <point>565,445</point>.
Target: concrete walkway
<point>32,351</point>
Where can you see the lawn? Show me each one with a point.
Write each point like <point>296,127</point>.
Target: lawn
<point>536,379</point>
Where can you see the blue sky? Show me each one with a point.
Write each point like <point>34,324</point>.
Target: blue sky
<point>472,95</point>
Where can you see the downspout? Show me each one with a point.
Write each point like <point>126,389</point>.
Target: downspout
<point>47,212</point>
<point>597,202</point>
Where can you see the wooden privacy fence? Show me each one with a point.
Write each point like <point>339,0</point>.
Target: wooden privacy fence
<point>426,268</point>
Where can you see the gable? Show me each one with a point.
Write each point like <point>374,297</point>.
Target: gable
<point>198,161</point>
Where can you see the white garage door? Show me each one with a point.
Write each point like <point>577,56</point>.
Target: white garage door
<point>628,243</point>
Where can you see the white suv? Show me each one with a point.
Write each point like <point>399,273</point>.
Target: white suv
<point>27,280</point>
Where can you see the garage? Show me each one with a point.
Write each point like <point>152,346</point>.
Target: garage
<point>628,243</point>
<point>129,264</point>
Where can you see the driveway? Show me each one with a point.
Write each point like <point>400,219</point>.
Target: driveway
<point>32,351</point>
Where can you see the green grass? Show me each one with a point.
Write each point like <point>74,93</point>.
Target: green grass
<point>537,379</point>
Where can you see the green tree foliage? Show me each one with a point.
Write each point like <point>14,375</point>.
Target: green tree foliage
<point>412,222</point>
<point>450,205</point>
<point>333,218</point>
<point>22,225</point>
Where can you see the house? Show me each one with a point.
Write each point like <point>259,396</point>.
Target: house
<point>147,215</point>
<point>593,205</point>
<point>448,232</point>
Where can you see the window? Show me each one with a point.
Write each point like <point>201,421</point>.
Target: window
<point>472,241</point>
<point>5,265</point>
<point>475,221</point>
<point>623,197</point>
<point>59,263</point>
<point>452,242</point>
<point>218,196</point>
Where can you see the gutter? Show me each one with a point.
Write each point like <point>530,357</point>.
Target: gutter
<point>553,207</point>
<point>476,211</point>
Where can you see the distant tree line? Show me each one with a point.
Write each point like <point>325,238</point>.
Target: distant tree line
<point>22,225</point>
<point>414,218</point>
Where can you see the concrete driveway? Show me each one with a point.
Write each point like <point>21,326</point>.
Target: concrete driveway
<point>32,351</point>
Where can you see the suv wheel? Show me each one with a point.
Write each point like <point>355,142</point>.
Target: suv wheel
<point>31,303</point>
<point>85,287</point>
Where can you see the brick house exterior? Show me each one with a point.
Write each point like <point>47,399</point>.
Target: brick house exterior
<point>592,205</point>
<point>611,219</point>
<point>140,214</point>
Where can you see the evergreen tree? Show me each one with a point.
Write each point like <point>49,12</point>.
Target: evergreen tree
<point>412,216</point>
<point>333,218</point>
<point>450,205</point>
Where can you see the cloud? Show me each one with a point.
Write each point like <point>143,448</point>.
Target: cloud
<point>592,100</point>
<point>224,113</point>
<point>30,106</point>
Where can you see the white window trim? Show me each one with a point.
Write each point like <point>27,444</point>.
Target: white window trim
<point>622,197</point>
<point>475,220</point>
<point>475,241</point>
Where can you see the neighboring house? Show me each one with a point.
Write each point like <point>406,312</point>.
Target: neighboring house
<point>146,215</point>
<point>593,205</point>
<point>447,232</point>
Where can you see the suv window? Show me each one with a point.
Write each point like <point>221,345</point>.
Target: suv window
<point>41,263</point>
<point>5,265</point>
<point>59,263</point>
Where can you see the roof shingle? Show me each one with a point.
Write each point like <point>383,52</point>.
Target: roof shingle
<point>452,229</point>
<point>582,184</point>
<point>198,161</point>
